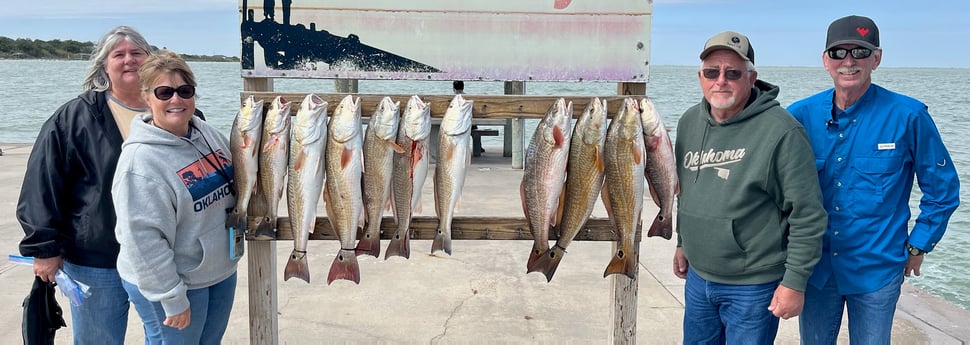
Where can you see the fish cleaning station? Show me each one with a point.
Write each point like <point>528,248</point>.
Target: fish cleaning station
<point>474,41</point>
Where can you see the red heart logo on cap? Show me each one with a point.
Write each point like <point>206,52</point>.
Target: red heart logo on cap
<point>862,31</point>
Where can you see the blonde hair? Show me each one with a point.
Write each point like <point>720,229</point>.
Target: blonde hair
<point>97,78</point>
<point>165,61</point>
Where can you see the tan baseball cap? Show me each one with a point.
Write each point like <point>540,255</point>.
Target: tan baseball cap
<point>729,40</point>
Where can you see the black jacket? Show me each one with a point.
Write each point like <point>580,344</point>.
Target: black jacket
<point>65,204</point>
<point>42,315</point>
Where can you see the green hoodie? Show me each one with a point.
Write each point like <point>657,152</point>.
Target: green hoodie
<point>750,208</point>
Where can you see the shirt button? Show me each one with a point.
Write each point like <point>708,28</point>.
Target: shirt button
<point>841,135</point>
<point>838,184</point>
<point>836,233</point>
<point>835,254</point>
<point>838,159</point>
<point>837,208</point>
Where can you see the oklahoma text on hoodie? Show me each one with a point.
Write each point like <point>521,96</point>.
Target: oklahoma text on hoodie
<point>750,208</point>
<point>171,200</point>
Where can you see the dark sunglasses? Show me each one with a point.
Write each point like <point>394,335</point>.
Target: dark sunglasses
<point>841,53</point>
<point>166,92</point>
<point>729,74</point>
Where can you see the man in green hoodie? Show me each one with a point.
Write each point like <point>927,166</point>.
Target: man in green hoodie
<point>750,216</point>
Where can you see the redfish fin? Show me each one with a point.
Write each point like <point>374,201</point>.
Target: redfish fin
<point>637,153</point>
<point>442,242</point>
<point>297,267</point>
<point>345,267</point>
<point>558,136</point>
<point>394,146</point>
<point>600,164</point>
<point>661,227</point>
<point>299,161</point>
<point>622,263</point>
<point>345,157</point>
<point>237,220</point>
<point>399,246</point>
<point>369,245</point>
<point>265,228</point>
<point>548,262</point>
<point>534,256</point>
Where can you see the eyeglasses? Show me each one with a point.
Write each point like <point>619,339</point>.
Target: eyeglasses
<point>840,53</point>
<point>729,74</point>
<point>165,93</point>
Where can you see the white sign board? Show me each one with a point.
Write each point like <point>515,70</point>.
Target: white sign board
<point>512,40</point>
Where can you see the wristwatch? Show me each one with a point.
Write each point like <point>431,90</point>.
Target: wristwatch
<point>914,251</point>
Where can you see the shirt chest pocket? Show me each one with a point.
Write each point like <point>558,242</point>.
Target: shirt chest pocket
<point>873,174</point>
<point>872,178</point>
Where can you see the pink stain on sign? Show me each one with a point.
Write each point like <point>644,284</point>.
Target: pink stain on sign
<point>561,4</point>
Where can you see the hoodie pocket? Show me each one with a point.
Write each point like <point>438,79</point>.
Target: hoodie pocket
<point>215,256</point>
<point>710,245</point>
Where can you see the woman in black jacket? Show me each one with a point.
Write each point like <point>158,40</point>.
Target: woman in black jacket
<point>65,205</point>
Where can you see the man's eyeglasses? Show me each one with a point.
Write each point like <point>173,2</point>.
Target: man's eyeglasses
<point>840,53</point>
<point>729,74</point>
<point>165,93</point>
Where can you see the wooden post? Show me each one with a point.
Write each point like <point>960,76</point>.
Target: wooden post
<point>624,291</point>
<point>631,89</point>
<point>261,258</point>
<point>518,126</point>
<point>345,85</point>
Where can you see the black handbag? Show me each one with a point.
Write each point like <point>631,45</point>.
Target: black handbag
<point>42,315</point>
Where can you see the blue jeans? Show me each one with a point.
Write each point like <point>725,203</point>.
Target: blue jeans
<point>209,315</point>
<point>102,317</point>
<point>732,314</point>
<point>870,314</point>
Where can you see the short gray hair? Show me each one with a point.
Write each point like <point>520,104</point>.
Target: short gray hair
<point>97,78</point>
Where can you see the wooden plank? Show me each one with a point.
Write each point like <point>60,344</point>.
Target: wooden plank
<point>261,260</point>
<point>624,296</point>
<point>485,106</point>
<point>624,291</point>
<point>631,89</point>
<point>517,89</point>
<point>462,228</point>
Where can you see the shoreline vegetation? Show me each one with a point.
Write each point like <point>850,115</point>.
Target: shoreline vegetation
<point>33,49</point>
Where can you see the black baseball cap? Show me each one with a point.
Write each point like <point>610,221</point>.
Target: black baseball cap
<point>732,41</point>
<point>857,30</point>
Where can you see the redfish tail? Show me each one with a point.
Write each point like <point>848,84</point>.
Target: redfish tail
<point>297,267</point>
<point>548,262</point>
<point>535,255</point>
<point>622,263</point>
<point>442,242</point>
<point>369,245</point>
<point>265,228</point>
<point>399,246</point>
<point>237,220</point>
<point>344,266</point>
<point>661,227</point>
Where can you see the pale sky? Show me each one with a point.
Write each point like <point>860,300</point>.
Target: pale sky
<point>784,33</point>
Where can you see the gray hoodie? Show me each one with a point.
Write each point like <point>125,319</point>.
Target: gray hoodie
<point>171,199</point>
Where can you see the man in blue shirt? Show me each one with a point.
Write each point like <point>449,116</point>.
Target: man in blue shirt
<point>869,143</point>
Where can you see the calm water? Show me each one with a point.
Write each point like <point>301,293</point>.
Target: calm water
<point>31,92</point>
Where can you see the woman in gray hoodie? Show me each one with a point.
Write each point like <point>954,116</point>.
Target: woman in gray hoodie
<point>172,190</point>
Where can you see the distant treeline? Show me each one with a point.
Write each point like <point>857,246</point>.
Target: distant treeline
<point>23,48</point>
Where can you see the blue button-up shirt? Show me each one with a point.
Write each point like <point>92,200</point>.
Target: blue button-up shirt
<point>867,157</point>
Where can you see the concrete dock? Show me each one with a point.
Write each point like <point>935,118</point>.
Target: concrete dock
<point>480,294</point>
